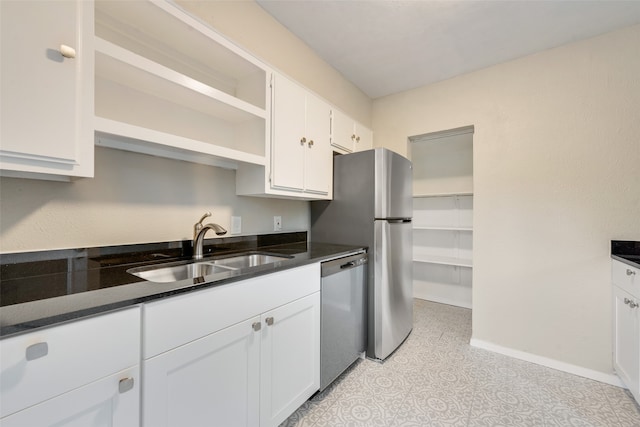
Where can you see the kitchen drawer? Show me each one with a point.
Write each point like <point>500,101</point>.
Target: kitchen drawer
<point>626,277</point>
<point>177,320</point>
<point>44,364</point>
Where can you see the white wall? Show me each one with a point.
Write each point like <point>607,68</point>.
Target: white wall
<point>135,198</point>
<point>556,176</point>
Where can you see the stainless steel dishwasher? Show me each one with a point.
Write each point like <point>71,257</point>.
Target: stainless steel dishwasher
<point>343,315</point>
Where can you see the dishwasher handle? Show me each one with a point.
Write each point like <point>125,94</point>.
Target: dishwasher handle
<point>343,264</point>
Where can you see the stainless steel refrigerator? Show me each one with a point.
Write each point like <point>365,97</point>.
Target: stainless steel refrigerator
<point>372,206</point>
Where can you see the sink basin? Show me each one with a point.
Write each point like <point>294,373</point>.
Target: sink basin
<point>249,260</point>
<point>173,272</point>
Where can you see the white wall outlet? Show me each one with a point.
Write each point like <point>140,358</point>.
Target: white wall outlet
<point>236,225</point>
<point>277,223</point>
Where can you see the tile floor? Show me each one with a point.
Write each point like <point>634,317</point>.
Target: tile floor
<point>436,379</point>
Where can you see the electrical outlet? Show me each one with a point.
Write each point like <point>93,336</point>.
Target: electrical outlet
<point>236,225</point>
<point>277,223</point>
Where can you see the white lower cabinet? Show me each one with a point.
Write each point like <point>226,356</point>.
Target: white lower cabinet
<point>110,402</point>
<point>84,373</point>
<point>211,381</point>
<point>254,361</point>
<point>626,325</point>
<point>290,358</point>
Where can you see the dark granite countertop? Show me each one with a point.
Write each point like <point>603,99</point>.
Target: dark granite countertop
<point>626,251</point>
<point>41,289</point>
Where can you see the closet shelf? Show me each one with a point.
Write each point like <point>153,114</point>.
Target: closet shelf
<point>432,259</point>
<point>442,228</point>
<point>422,196</point>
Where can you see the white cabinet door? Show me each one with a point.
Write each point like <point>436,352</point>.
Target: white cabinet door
<point>109,402</point>
<point>46,98</point>
<point>287,157</point>
<point>364,138</point>
<point>626,349</point>
<point>213,381</point>
<point>342,132</point>
<point>318,160</point>
<point>290,364</point>
<point>301,156</point>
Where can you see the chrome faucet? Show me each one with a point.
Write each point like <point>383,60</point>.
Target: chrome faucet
<point>199,230</point>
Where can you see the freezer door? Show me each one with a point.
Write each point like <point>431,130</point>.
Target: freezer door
<point>393,189</point>
<point>391,298</point>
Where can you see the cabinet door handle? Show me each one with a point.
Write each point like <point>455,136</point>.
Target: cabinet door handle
<point>631,303</point>
<point>353,137</point>
<point>269,321</point>
<point>630,272</point>
<point>303,140</point>
<point>310,143</point>
<point>256,326</point>
<point>67,51</point>
<point>357,139</point>
<point>125,385</point>
<point>36,351</point>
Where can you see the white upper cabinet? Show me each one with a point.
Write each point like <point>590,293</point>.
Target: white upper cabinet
<point>47,89</point>
<point>347,135</point>
<point>301,157</point>
<point>169,85</point>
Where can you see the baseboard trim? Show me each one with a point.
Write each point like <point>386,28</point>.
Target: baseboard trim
<point>610,379</point>
<point>440,300</point>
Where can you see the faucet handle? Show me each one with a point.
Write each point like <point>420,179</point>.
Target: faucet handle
<point>198,225</point>
<point>206,215</point>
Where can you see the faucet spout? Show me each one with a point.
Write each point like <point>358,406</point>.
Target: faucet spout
<point>198,241</point>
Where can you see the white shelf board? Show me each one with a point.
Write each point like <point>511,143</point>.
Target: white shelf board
<point>132,70</point>
<point>420,196</point>
<point>442,228</point>
<point>165,26</point>
<point>123,136</point>
<point>433,259</point>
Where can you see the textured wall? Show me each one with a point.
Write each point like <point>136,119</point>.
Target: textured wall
<point>134,198</point>
<point>556,177</point>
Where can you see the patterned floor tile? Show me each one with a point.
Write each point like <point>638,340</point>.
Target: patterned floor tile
<point>435,379</point>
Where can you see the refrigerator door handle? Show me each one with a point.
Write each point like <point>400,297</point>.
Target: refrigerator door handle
<point>396,220</point>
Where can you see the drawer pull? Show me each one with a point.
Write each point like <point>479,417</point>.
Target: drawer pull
<point>630,272</point>
<point>269,321</point>
<point>36,351</point>
<point>125,385</point>
<point>256,326</point>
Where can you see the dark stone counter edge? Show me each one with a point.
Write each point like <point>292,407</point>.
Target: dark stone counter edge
<point>626,251</point>
<point>28,317</point>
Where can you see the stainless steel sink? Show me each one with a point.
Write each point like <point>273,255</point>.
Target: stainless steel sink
<point>249,260</point>
<point>164,274</point>
<point>173,272</point>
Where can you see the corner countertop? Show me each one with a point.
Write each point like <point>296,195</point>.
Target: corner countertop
<point>106,286</point>
<point>626,251</point>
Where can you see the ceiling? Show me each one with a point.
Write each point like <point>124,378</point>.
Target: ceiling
<point>385,46</point>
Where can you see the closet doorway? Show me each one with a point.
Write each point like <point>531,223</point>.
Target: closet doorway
<point>443,215</point>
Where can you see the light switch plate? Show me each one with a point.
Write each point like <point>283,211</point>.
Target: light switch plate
<point>236,225</point>
<point>277,223</point>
